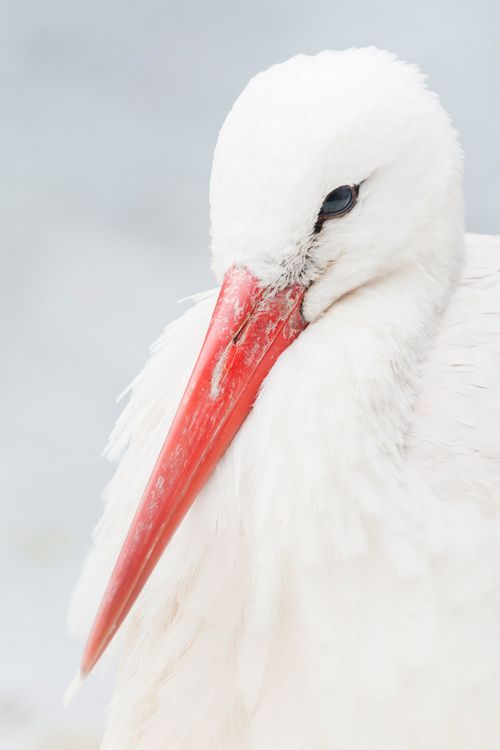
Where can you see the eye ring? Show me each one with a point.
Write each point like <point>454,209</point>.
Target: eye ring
<point>337,203</point>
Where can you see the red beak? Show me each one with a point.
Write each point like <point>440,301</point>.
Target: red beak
<point>250,327</point>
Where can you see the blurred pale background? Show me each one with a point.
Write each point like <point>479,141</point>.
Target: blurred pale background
<point>109,115</point>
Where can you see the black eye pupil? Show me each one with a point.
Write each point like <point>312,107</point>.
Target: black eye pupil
<point>338,201</point>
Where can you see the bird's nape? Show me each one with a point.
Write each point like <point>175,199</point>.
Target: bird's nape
<point>250,327</point>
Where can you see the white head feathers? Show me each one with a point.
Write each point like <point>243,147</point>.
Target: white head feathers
<point>309,125</point>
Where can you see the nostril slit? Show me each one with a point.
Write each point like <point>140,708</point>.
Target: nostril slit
<point>239,332</point>
<point>241,329</point>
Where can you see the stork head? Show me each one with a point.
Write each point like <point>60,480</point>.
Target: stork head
<point>330,172</point>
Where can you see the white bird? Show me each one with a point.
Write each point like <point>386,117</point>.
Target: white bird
<point>336,584</point>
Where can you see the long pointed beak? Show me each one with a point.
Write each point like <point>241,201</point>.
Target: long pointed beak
<point>250,327</point>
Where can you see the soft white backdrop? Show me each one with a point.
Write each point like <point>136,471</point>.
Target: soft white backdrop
<point>109,113</point>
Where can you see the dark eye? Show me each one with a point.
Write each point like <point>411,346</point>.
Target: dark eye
<point>337,203</point>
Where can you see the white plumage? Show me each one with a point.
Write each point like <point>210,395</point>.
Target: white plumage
<point>337,583</point>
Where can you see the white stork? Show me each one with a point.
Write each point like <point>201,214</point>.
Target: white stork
<point>336,584</point>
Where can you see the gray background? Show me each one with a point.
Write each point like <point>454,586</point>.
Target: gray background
<point>109,115</point>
